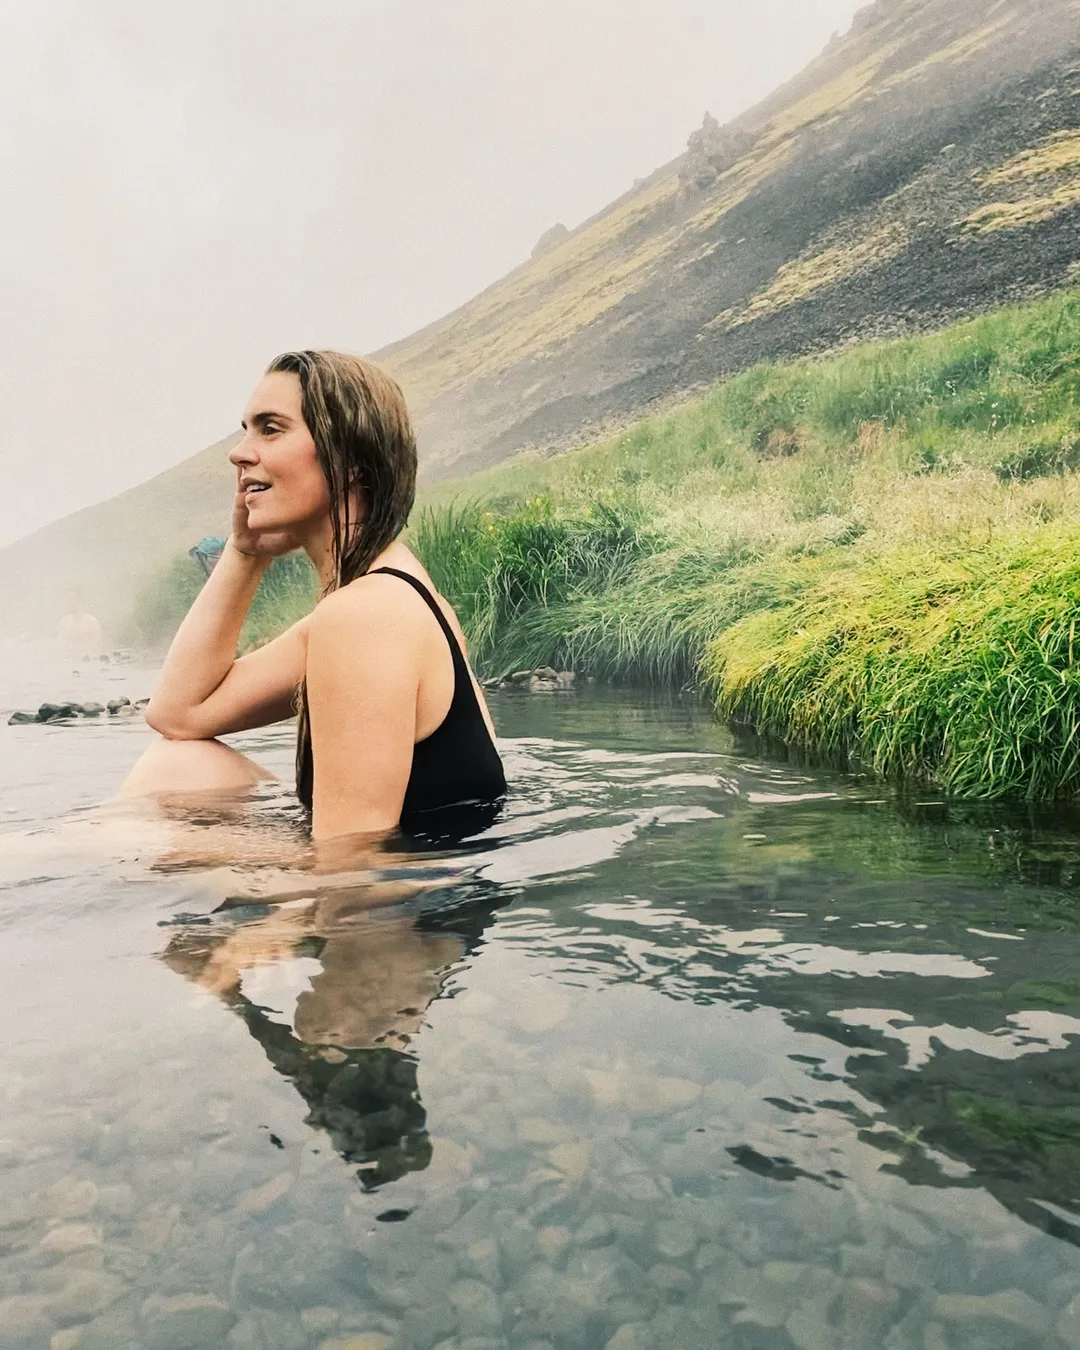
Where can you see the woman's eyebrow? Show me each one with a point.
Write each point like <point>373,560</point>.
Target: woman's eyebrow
<point>261,418</point>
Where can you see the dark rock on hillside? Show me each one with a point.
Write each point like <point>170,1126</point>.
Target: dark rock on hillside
<point>550,239</point>
<point>711,151</point>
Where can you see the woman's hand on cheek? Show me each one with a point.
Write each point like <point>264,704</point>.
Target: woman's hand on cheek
<point>253,542</point>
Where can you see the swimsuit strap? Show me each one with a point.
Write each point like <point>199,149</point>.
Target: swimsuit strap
<point>432,604</point>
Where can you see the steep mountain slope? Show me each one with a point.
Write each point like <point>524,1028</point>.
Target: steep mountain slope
<point>926,165</point>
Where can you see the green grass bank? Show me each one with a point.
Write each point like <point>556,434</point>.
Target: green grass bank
<point>874,556</point>
<point>287,592</point>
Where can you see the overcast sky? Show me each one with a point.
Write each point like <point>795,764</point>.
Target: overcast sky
<point>189,188</point>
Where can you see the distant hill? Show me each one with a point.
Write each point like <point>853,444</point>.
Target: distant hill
<point>105,552</point>
<point>924,166</point>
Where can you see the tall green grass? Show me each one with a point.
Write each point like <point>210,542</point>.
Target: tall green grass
<point>921,664</point>
<point>874,556</point>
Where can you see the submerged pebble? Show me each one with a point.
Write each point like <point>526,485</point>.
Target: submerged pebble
<point>184,1321</point>
<point>87,1293</point>
<point>24,1321</point>
<point>367,1340</point>
<point>70,1237</point>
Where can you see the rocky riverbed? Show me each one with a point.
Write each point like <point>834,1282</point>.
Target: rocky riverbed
<point>689,1050</point>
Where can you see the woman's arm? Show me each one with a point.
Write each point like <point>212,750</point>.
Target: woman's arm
<point>203,690</point>
<point>363,673</point>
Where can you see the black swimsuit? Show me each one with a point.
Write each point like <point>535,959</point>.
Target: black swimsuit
<point>458,762</point>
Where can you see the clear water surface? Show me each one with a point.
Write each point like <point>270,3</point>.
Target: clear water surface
<point>690,1049</point>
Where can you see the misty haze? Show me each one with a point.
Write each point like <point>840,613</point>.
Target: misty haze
<point>539,715</point>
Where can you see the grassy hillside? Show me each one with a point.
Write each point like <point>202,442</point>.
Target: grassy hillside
<point>925,166</point>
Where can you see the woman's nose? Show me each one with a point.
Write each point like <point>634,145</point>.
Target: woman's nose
<point>243,452</point>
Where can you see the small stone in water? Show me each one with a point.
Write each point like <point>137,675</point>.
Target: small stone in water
<point>23,1320</point>
<point>48,711</point>
<point>451,1162</point>
<point>571,1158</point>
<point>70,1237</point>
<point>259,1199</point>
<point>639,1188</point>
<point>113,1330</point>
<point>861,1259</point>
<point>476,1305</point>
<point>320,1321</point>
<point>90,1292</point>
<point>71,1198</point>
<point>517,1241</point>
<point>1011,1306</point>
<point>532,1130</point>
<point>117,1200</point>
<point>483,1256</point>
<point>670,1281</point>
<point>642,1094</point>
<point>630,1336</point>
<point>867,1311</point>
<point>675,1240</point>
<point>266,1330</point>
<point>184,1321</point>
<point>595,1231</point>
<point>910,1229</point>
<point>907,1269</point>
<point>934,1337</point>
<point>809,1325</point>
<point>367,1340</point>
<point>66,1340</point>
<point>552,1242</point>
<point>708,1255</point>
<point>1068,1324</point>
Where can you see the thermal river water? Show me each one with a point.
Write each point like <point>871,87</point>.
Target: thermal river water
<point>690,1050</point>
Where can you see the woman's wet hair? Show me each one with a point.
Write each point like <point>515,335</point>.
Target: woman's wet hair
<point>365,445</point>
<point>364,440</point>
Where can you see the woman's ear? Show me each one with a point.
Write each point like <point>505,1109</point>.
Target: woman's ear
<point>359,495</point>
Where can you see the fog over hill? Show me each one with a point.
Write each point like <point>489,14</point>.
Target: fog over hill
<point>925,165</point>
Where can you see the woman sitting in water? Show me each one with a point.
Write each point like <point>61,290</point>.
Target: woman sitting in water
<point>393,725</point>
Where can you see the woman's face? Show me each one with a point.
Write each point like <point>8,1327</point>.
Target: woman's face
<point>277,462</point>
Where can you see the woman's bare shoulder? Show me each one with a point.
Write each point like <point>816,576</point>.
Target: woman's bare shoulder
<point>370,602</point>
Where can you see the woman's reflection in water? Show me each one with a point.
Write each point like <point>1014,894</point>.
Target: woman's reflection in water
<point>347,1050</point>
